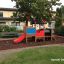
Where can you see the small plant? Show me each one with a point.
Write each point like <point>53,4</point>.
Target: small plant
<point>6,28</point>
<point>60,30</point>
<point>1,28</point>
<point>12,29</point>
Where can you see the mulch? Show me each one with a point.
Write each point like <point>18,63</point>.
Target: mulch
<point>9,44</point>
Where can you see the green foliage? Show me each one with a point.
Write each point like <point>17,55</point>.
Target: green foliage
<point>5,28</point>
<point>12,29</point>
<point>40,8</point>
<point>62,10</point>
<point>60,30</point>
<point>58,17</point>
<point>8,34</point>
<point>1,28</point>
<point>58,23</point>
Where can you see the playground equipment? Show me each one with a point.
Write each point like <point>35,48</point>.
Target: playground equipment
<point>32,31</point>
<point>40,34</point>
<point>19,39</point>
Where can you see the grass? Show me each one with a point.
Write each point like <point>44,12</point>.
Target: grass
<point>36,56</point>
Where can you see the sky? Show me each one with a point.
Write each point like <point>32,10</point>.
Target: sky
<point>7,3</point>
<point>61,1</point>
<point>10,4</point>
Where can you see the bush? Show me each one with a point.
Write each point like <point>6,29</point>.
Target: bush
<point>0,35</point>
<point>58,23</point>
<point>10,35</point>
<point>60,31</point>
<point>1,28</point>
<point>12,29</point>
<point>5,28</point>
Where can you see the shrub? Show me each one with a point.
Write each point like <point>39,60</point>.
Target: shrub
<point>60,30</point>
<point>10,35</point>
<point>1,28</point>
<point>12,29</point>
<point>6,28</point>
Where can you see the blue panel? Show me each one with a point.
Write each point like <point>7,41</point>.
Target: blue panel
<point>31,31</point>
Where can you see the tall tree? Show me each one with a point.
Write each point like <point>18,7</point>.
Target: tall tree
<point>37,8</point>
<point>62,11</point>
<point>59,16</point>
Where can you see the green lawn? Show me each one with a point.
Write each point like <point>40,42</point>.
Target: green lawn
<point>36,56</point>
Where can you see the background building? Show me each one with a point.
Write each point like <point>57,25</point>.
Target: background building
<point>6,18</point>
<point>6,15</point>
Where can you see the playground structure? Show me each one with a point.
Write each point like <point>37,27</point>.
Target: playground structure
<point>36,30</point>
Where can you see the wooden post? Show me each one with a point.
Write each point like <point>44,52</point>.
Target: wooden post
<point>35,33</point>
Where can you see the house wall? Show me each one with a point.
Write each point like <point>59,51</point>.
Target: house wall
<point>62,24</point>
<point>7,13</point>
<point>8,23</point>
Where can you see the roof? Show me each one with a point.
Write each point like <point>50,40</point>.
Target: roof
<point>8,9</point>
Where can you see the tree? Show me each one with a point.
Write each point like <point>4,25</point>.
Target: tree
<point>59,16</point>
<point>38,8</point>
<point>62,11</point>
<point>60,20</point>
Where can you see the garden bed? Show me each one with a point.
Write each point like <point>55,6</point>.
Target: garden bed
<point>9,44</point>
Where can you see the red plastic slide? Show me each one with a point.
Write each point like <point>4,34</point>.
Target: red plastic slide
<point>19,39</point>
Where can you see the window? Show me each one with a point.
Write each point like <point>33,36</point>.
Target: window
<point>1,14</point>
